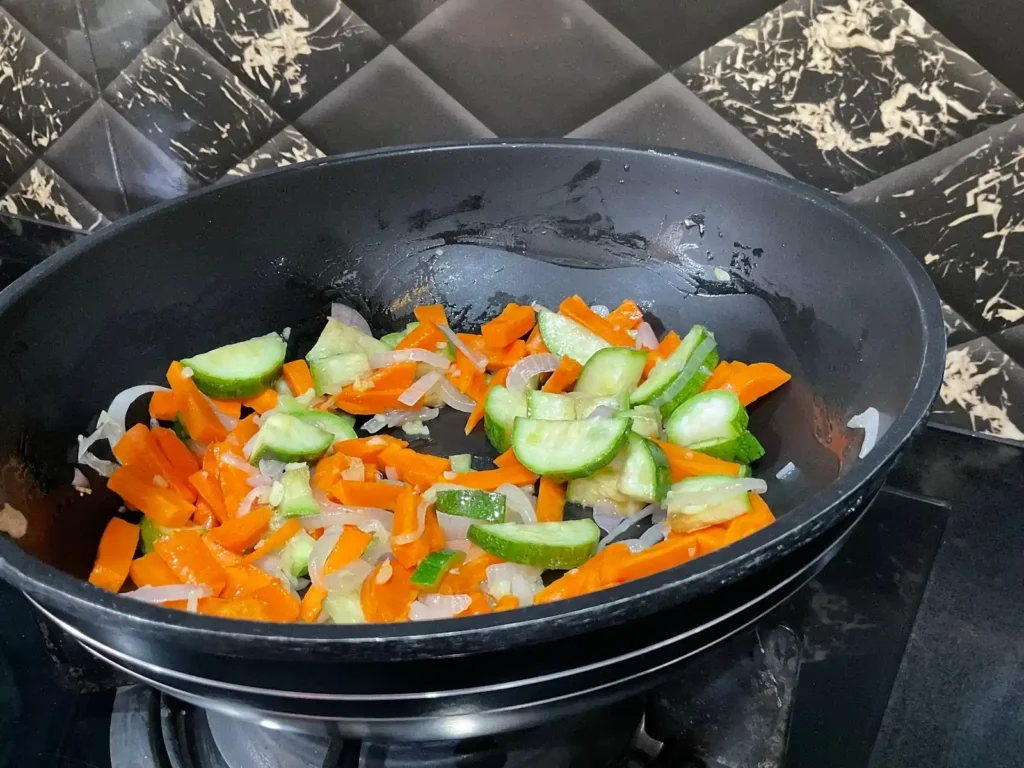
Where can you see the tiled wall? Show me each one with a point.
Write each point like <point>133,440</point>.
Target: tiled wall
<point>107,106</point>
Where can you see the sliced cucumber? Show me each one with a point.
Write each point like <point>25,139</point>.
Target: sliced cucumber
<point>286,438</point>
<point>720,508</point>
<point>461,462</point>
<point>612,371</point>
<point>567,449</point>
<point>646,420</point>
<point>344,609</point>
<point>646,475</point>
<point>708,416</point>
<point>332,373</point>
<point>603,486</point>
<point>238,370</point>
<point>567,338</point>
<point>480,505</point>
<point>501,408</point>
<point>743,449</point>
<point>745,471</point>
<point>680,376</point>
<point>298,495</point>
<point>561,545</point>
<point>392,340</point>
<point>341,426</point>
<point>549,406</point>
<point>433,567</point>
<point>337,338</point>
<point>587,404</point>
<point>150,531</point>
<point>294,555</point>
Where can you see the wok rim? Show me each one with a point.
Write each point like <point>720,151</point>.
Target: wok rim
<point>699,576</point>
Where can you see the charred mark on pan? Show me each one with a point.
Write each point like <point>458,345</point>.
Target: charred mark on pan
<point>586,173</point>
<point>419,220</point>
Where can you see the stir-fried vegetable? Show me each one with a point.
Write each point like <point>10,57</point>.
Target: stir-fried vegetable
<point>258,499</point>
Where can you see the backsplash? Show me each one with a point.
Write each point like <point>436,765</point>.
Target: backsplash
<point>109,106</point>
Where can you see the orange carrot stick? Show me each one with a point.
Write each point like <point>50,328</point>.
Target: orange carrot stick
<point>280,604</point>
<point>490,479</point>
<point>686,463</point>
<point>404,524</point>
<point>576,309</point>
<point>187,555</point>
<point>297,376</point>
<point>466,377</point>
<point>507,357</point>
<point>240,533</point>
<point>244,430</point>
<point>165,506</point>
<point>209,490</point>
<point>183,460</point>
<point>550,501</point>
<point>368,448</point>
<point>362,494</point>
<point>232,408</point>
<point>243,580</point>
<point>351,544</point>
<point>371,401</point>
<point>417,469</point>
<point>431,313</point>
<point>666,554</point>
<point>535,344</point>
<point>224,557</point>
<point>744,525</point>
<point>203,516</point>
<point>478,604</point>
<point>626,316</point>
<point>263,402</point>
<point>328,470</point>
<point>564,376</point>
<point>387,597</point>
<point>312,603</point>
<point>506,603</point>
<point>114,555</point>
<point>514,322</point>
<point>756,380</point>
<point>497,380</point>
<point>276,540</point>
<point>139,450</point>
<point>150,571</point>
<point>163,406</point>
<point>199,416</point>
<point>666,347</point>
<point>587,578</point>
<point>507,459</point>
<point>718,376</point>
<point>397,376</point>
<point>247,608</point>
<point>424,336</point>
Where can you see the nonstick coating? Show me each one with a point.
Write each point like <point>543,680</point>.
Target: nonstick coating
<point>843,307</point>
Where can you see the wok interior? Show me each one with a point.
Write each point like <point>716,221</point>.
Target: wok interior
<point>472,228</point>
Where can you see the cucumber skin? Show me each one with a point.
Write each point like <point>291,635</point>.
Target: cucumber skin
<point>651,452</point>
<point>582,470</point>
<point>491,541</point>
<point>436,565</point>
<point>333,372</point>
<point>212,385</point>
<point>298,498</point>
<point>261,450</point>
<point>668,403</point>
<point>295,554</point>
<point>743,449</point>
<point>497,427</point>
<point>477,505</point>
<point>552,407</point>
<point>624,366</point>
<point>338,426</point>
<point>676,424</point>
<point>548,323</point>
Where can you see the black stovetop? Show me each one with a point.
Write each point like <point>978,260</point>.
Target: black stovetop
<point>904,651</point>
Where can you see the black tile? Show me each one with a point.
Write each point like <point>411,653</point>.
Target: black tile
<point>42,194</point>
<point>57,25</point>
<point>290,52</point>
<point>958,330</point>
<point>40,95</point>
<point>961,212</point>
<point>388,102</point>
<point>25,242</point>
<point>666,113</point>
<point>674,31</point>
<point>119,30</point>
<point>191,107</point>
<point>1011,341</point>
<point>393,18</point>
<point>982,391</point>
<point>288,147</point>
<point>15,158</point>
<point>530,67</point>
<point>843,94</point>
<point>83,157</point>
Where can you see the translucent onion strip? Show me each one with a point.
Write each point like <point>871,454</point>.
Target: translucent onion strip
<point>384,359</point>
<point>479,361</point>
<point>453,398</point>
<point>431,607</point>
<point>645,337</point>
<point>527,368</point>
<point>169,593</point>
<point>719,493</point>
<point>419,388</point>
<point>347,316</point>
<point>321,551</point>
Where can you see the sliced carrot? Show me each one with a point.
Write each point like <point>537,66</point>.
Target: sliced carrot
<point>114,555</point>
<point>368,448</point>
<point>241,533</point>
<point>183,460</point>
<point>433,532</point>
<point>363,494</point>
<point>507,357</point>
<point>297,376</point>
<point>468,576</point>
<point>756,380</point>
<point>244,430</point>
<point>263,402</point>
<point>686,463</point>
<point>139,449</point>
<point>351,544</point>
<point>226,558</point>
<point>431,313</point>
<point>490,479</point>
<point>163,406</point>
<point>744,525</point>
<point>234,482</point>
<point>506,603</point>
<point>709,539</point>
<point>232,408</point>
<point>165,506</point>
<point>371,401</point>
<point>426,336</point>
<point>666,347</point>
<point>150,571</point>
<point>397,376</point>
<point>197,413</point>
<point>276,540</point>
<point>204,515</point>
<point>497,380</point>
<point>187,555</point>
<point>550,501</point>
<point>662,556</point>
<point>209,490</point>
<point>590,576</point>
<point>718,376</point>
<point>478,603</point>
<point>387,599</point>
<point>535,343</point>
<point>328,470</point>
<point>576,309</point>
<point>280,604</point>
<point>312,603</point>
<point>564,376</point>
<point>417,469</point>
<point>404,524</point>
<point>243,580</point>
<point>514,322</point>
<point>465,376</point>
<point>507,459</point>
<point>626,316</point>
<point>370,469</point>
<point>245,608</point>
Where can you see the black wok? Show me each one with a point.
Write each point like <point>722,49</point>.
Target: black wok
<point>799,282</point>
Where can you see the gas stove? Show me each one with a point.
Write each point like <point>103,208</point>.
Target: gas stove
<point>767,697</point>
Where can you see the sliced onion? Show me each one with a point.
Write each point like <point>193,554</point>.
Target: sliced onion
<point>345,315</point>
<point>192,604</point>
<point>250,446</point>
<point>354,470</point>
<point>106,429</point>
<point>271,565</point>
<point>653,535</point>
<point>81,482</point>
<point>633,545</point>
<point>518,502</point>
<point>455,527</point>
<point>391,474</point>
<point>320,552</point>
<point>376,424</point>
<point>409,538</point>
<point>645,337</point>
<point>384,574</point>
<point>272,468</point>
<point>627,523</point>
<point>431,607</point>
<point>233,461</point>
<point>465,545</point>
<point>187,373</point>
<point>118,409</point>
<point>367,519</point>
<point>228,422</point>
<point>455,399</point>
<point>419,388</point>
<point>600,310</point>
<point>523,581</point>
<point>479,361</point>
<point>869,422</point>
<point>258,481</point>
<point>260,492</point>
<point>601,412</point>
<point>348,579</point>
<point>606,515</point>
<point>786,471</point>
<point>720,493</point>
<point>527,368</point>
<point>400,418</point>
<point>384,359</point>
<point>168,593</point>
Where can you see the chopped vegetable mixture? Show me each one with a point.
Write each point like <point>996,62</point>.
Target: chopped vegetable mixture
<point>260,500</point>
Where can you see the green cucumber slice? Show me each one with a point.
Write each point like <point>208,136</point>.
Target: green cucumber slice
<point>337,338</point>
<point>391,340</point>
<point>681,375</point>
<point>341,426</point>
<point>745,471</point>
<point>480,505</point>
<point>433,567</point>
<point>567,449</point>
<point>297,500</point>
<point>501,407</point>
<point>567,338</point>
<point>743,449</point>
<point>332,373</point>
<point>603,485</point>
<point>646,475</point>
<point>294,555</point>
<point>286,438</point>
<point>612,371</point>
<point>708,416</point>
<point>561,546</point>
<point>646,420</point>
<point>344,609</point>
<point>692,517</point>
<point>461,462</point>
<point>587,404</point>
<point>548,405</point>
<point>238,370</point>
